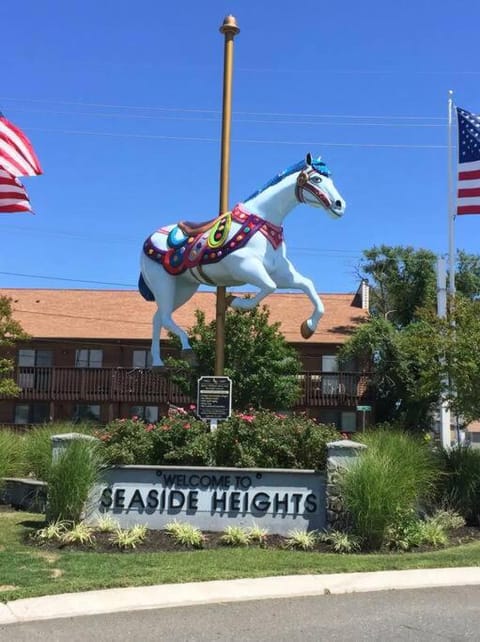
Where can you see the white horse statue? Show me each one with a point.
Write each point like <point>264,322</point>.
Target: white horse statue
<point>242,246</point>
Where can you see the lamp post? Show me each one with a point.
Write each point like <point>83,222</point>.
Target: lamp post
<point>229,29</point>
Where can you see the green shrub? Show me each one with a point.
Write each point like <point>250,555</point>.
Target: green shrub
<point>301,539</point>
<point>51,532</point>
<point>342,542</point>
<point>395,474</point>
<point>11,454</point>
<point>182,440</point>
<point>127,441</point>
<point>235,536</point>
<point>433,533</point>
<point>270,440</point>
<point>448,519</point>
<point>460,485</point>
<point>127,538</point>
<point>261,440</point>
<point>405,532</point>
<point>70,479</point>
<point>185,534</point>
<point>258,534</point>
<point>79,534</point>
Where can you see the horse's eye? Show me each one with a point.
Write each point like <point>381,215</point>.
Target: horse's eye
<point>317,179</point>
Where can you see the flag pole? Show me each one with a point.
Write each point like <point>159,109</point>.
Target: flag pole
<point>229,29</point>
<point>451,202</point>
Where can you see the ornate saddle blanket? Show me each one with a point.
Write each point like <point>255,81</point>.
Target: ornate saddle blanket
<point>191,245</point>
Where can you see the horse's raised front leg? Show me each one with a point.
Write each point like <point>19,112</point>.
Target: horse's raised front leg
<point>287,277</point>
<point>253,272</point>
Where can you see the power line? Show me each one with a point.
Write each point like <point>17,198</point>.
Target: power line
<point>217,111</point>
<point>202,139</point>
<point>216,119</point>
<point>61,278</point>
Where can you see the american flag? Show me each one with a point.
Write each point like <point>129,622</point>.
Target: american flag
<point>17,158</point>
<point>13,197</point>
<point>468,196</point>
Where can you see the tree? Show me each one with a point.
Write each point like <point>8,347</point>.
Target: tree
<point>10,332</point>
<point>258,359</point>
<point>410,353</point>
<point>403,280</point>
<point>459,342</point>
<point>405,369</point>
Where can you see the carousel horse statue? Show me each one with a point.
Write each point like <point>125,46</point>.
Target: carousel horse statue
<point>244,246</point>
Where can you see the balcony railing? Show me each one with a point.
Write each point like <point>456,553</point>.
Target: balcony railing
<point>156,387</point>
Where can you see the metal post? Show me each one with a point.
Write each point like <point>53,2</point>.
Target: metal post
<point>230,29</point>
<point>444,410</point>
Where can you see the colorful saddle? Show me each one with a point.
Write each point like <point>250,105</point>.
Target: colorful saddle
<point>194,244</point>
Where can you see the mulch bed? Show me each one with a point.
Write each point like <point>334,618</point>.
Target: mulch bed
<point>160,541</point>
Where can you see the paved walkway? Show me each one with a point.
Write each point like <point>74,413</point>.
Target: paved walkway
<point>170,595</point>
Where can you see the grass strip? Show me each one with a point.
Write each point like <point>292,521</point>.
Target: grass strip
<point>28,572</point>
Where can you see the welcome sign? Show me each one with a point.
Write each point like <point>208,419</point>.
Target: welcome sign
<point>211,498</point>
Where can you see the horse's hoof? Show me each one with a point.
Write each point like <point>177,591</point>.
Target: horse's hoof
<point>229,300</point>
<point>305,330</point>
<point>190,357</point>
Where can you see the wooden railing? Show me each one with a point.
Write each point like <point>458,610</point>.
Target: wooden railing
<point>156,387</point>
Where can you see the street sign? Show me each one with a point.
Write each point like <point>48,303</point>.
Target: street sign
<point>364,408</point>
<point>214,398</point>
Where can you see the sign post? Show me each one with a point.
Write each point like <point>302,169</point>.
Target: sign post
<point>214,399</point>
<point>364,410</point>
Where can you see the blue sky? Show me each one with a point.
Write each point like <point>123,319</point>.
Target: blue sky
<point>122,104</point>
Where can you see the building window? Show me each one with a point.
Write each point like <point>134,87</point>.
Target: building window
<point>348,421</point>
<point>35,413</point>
<point>142,359</point>
<point>85,412</point>
<point>330,382</point>
<point>147,413</point>
<point>37,359</point>
<point>87,358</point>
<point>329,417</point>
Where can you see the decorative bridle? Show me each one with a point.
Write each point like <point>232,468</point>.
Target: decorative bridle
<point>303,184</point>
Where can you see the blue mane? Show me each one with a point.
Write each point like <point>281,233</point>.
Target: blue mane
<point>316,164</point>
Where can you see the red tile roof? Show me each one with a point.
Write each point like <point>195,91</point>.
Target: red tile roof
<point>124,314</point>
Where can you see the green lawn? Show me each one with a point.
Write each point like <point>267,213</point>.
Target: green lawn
<point>28,572</point>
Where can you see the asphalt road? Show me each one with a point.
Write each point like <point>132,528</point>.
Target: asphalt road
<point>422,614</point>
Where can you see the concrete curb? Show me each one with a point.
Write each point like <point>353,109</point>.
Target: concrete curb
<point>192,593</point>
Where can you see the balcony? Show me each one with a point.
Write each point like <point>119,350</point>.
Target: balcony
<point>96,385</point>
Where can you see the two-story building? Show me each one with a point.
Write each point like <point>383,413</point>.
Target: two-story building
<point>88,355</point>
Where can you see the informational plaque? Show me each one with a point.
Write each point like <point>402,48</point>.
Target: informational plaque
<point>214,398</point>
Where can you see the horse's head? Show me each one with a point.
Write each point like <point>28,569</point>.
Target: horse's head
<point>315,187</point>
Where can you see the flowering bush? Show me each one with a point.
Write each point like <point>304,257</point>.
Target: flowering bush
<point>183,440</point>
<point>259,439</point>
<point>127,441</point>
<point>271,440</point>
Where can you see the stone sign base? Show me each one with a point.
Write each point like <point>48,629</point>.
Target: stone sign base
<point>211,498</point>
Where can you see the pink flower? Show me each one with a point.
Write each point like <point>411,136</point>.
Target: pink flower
<point>192,406</point>
<point>165,427</point>
<point>134,418</point>
<point>248,418</point>
<point>187,426</point>
<point>149,428</point>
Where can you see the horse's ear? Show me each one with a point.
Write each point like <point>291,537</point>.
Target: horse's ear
<point>308,159</point>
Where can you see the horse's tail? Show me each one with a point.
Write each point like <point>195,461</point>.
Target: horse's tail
<point>144,289</point>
